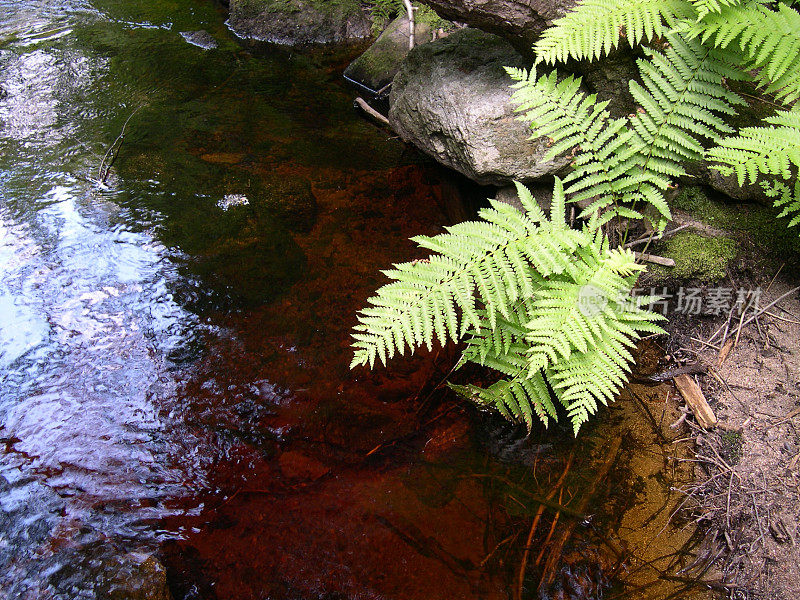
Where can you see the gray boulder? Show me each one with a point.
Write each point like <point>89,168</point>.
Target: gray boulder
<point>725,184</point>
<point>299,22</point>
<point>451,99</point>
<point>519,21</point>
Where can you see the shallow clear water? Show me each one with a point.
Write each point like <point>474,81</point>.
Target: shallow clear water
<point>174,343</point>
<point>108,294</point>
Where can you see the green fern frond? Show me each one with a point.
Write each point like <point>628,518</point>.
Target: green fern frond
<point>485,264</point>
<point>786,198</point>
<point>382,12</point>
<point>570,315</point>
<point>622,163</point>
<point>594,27</point>
<point>773,149</point>
<point>769,39</point>
<point>704,7</point>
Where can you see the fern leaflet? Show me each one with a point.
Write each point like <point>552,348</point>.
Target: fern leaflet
<point>769,39</point>
<point>594,27</point>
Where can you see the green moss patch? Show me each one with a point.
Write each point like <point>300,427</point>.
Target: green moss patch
<point>696,257</point>
<point>757,222</point>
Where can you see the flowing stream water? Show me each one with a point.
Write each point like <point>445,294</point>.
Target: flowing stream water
<point>174,342</point>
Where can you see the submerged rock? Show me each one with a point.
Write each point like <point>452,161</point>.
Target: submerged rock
<point>299,22</point>
<point>452,100</point>
<point>291,200</point>
<point>201,39</point>
<point>296,465</point>
<point>133,576</point>
<point>379,64</point>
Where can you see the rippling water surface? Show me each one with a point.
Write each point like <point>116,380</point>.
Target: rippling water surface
<point>174,340</point>
<point>111,294</point>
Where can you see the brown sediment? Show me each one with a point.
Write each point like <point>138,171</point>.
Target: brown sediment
<point>374,484</point>
<point>746,495</point>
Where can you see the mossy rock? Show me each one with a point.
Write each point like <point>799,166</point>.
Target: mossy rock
<point>697,257</point>
<point>379,64</point>
<point>299,22</point>
<point>755,222</point>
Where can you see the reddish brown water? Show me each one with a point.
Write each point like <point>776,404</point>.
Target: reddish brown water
<point>175,376</point>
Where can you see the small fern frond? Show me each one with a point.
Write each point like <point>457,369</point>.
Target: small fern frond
<point>518,399</point>
<point>623,163</point>
<point>594,27</point>
<point>786,198</point>
<point>597,375</point>
<point>477,265</point>
<point>772,149</point>
<point>769,39</point>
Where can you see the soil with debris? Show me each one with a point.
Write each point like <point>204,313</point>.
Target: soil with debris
<point>747,481</point>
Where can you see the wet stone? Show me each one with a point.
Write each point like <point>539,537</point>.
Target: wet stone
<point>134,576</point>
<point>201,39</point>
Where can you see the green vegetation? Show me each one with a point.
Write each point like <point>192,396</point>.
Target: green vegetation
<point>516,285</point>
<point>545,305</point>
<point>700,257</point>
<point>705,45</point>
<point>383,11</point>
<point>731,446</point>
<point>624,164</point>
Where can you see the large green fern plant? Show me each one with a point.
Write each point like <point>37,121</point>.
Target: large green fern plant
<point>547,306</point>
<point>706,44</point>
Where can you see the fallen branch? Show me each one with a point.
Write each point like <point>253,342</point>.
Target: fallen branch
<point>646,239</point>
<point>103,171</point>
<point>652,258</point>
<point>410,11</point>
<point>694,397</point>
<point>371,112</point>
<point>757,313</point>
<point>723,353</point>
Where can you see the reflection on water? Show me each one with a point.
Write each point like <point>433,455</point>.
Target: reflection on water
<point>174,360</point>
<point>112,299</point>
